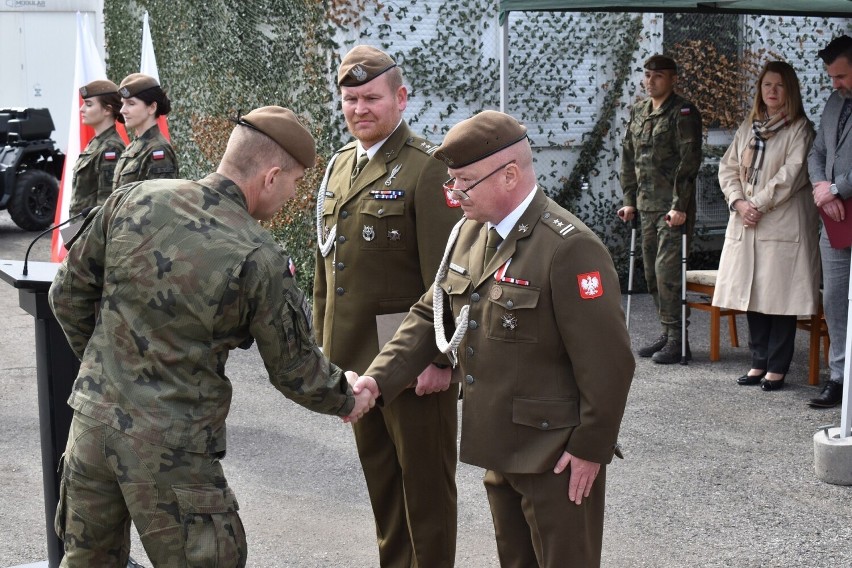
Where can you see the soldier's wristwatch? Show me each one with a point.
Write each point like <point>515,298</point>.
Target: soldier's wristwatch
<point>833,189</point>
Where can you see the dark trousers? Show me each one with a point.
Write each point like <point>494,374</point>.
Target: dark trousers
<point>537,527</point>
<point>772,341</point>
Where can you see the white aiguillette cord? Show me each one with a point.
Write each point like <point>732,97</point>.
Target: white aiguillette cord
<point>325,245</point>
<point>449,348</point>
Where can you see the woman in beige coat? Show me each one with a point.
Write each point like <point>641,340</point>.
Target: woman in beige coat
<point>770,261</point>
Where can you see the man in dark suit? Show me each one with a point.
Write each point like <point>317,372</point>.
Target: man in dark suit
<point>526,304</point>
<point>830,169</point>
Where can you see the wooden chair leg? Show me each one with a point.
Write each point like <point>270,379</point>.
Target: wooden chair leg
<point>732,329</point>
<point>714,334</point>
<point>813,352</point>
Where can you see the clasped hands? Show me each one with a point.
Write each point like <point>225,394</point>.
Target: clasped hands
<point>828,202</point>
<point>366,391</point>
<point>750,214</point>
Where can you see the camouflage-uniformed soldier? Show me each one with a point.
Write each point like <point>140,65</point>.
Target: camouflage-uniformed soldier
<point>660,159</point>
<point>542,348</point>
<point>163,282</point>
<point>381,237</point>
<point>149,155</point>
<point>93,172</point>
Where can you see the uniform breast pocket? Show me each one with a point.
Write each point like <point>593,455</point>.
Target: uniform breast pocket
<point>329,206</point>
<point>512,313</point>
<point>456,286</point>
<point>84,162</point>
<point>383,224</point>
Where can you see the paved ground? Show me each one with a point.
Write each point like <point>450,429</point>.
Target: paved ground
<point>716,474</point>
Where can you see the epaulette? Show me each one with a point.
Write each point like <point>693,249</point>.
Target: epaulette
<point>422,144</point>
<point>558,224</point>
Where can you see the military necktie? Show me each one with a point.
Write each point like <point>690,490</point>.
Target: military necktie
<point>362,161</point>
<point>491,243</point>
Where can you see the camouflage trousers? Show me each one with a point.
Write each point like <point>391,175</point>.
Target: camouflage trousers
<point>662,250</point>
<point>180,502</point>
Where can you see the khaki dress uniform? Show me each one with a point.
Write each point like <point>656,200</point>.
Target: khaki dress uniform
<point>392,228</point>
<point>149,156</point>
<point>545,366</point>
<point>94,170</point>
<point>660,159</point>
<point>152,396</point>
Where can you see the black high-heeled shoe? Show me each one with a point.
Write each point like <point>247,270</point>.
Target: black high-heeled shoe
<point>768,385</point>
<point>751,379</point>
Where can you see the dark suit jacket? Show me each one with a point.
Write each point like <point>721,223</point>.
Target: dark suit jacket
<point>545,365</point>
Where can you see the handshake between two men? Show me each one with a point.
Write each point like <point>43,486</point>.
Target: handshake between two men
<point>366,389</point>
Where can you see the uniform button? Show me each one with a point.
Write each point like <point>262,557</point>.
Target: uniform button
<point>472,324</point>
<point>344,214</point>
<point>474,297</point>
<point>340,291</point>
<point>381,211</point>
<point>469,351</point>
<point>510,304</point>
<point>450,288</point>
<point>546,215</point>
<point>545,424</point>
<point>341,239</point>
<point>340,266</point>
<point>469,379</point>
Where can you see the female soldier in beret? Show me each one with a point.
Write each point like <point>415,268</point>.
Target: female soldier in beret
<point>93,173</point>
<point>150,155</point>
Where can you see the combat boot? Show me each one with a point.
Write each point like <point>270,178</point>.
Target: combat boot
<point>653,347</point>
<point>671,353</point>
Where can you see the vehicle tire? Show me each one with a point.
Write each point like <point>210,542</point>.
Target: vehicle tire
<point>33,204</point>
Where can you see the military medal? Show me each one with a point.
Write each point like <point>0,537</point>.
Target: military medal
<point>368,233</point>
<point>495,292</point>
<point>500,276</point>
<point>509,321</point>
<point>387,194</point>
<point>394,235</point>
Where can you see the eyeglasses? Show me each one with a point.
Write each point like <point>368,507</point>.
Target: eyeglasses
<point>461,194</point>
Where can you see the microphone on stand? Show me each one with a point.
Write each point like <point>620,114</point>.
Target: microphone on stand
<point>83,213</point>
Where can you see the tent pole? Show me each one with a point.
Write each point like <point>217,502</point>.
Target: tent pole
<point>504,62</point>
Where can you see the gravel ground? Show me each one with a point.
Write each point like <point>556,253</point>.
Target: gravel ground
<point>715,474</point>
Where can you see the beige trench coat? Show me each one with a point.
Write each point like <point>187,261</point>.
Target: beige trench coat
<point>773,268</point>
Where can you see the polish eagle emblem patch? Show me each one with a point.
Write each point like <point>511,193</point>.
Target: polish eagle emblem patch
<point>590,285</point>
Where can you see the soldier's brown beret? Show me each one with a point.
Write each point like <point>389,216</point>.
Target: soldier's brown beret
<point>98,88</point>
<point>478,137</point>
<point>363,64</point>
<point>660,62</point>
<point>284,128</point>
<point>135,83</point>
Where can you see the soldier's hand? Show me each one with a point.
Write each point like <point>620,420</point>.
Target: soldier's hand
<point>626,213</point>
<point>581,476</point>
<point>366,391</point>
<point>675,218</point>
<point>433,379</point>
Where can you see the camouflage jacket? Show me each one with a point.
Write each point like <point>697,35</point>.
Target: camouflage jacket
<point>661,155</point>
<point>149,156</point>
<point>94,170</point>
<point>165,279</point>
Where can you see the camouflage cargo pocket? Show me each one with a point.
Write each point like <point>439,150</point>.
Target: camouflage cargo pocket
<point>212,530</point>
<point>59,518</point>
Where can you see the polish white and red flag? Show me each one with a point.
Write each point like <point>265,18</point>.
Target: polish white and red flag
<point>88,67</point>
<point>149,67</point>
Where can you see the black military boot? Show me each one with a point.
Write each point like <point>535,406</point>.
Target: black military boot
<point>671,353</point>
<point>653,347</point>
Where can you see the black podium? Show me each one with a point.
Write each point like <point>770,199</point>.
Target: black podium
<point>56,369</point>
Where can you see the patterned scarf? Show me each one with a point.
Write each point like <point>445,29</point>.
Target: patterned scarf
<point>762,131</point>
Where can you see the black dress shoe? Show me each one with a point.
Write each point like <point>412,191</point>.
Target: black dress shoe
<point>768,385</point>
<point>654,346</point>
<point>750,379</point>
<point>830,396</point>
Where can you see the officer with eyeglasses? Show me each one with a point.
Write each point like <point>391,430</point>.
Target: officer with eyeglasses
<point>526,304</point>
